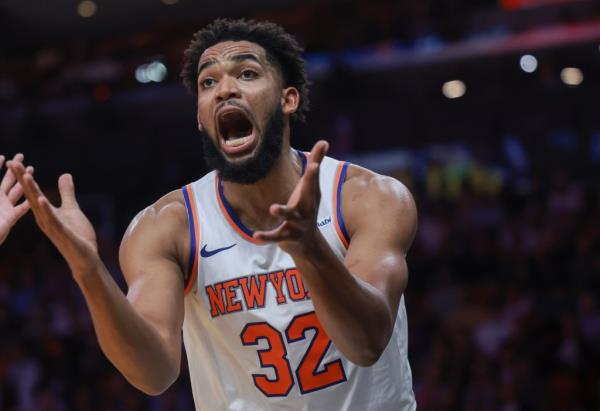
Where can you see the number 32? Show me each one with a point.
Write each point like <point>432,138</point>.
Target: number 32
<point>275,356</point>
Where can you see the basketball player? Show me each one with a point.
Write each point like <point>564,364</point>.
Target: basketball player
<point>10,193</point>
<point>284,269</point>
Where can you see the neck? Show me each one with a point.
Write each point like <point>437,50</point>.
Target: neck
<point>251,202</point>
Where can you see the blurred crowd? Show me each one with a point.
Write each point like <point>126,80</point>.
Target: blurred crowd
<point>36,67</point>
<point>504,296</point>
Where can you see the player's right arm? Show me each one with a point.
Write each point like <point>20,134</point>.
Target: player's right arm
<point>140,332</point>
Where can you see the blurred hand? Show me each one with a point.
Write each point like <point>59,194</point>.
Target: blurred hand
<point>10,193</point>
<point>66,226</point>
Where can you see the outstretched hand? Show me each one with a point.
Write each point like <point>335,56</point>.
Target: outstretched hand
<point>66,226</point>
<point>10,193</point>
<point>299,227</point>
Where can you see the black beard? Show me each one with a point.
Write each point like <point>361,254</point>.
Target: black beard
<point>256,167</point>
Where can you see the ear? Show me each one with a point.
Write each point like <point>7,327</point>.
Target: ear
<point>290,100</point>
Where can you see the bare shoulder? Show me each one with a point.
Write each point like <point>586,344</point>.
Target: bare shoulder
<point>374,200</point>
<point>158,231</point>
<point>363,184</point>
<point>167,212</point>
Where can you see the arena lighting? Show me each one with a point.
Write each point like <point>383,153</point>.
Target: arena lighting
<point>454,89</point>
<point>140,74</point>
<point>528,63</point>
<point>155,71</point>
<point>571,76</point>
<point>86,8</point>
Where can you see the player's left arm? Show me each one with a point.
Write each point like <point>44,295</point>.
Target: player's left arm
<point>356,300</point>
<point>381,219</point>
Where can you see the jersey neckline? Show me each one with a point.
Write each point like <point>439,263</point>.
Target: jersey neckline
<point>227,210</point>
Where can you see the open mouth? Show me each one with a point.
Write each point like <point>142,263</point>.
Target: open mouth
<point>235,129</point>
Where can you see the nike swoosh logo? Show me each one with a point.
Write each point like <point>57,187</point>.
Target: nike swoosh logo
<point>206,253</point>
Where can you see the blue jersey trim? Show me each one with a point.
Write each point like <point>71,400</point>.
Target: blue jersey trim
<point>303,158</point>
<point>340,183</point>
<point>229,210</point>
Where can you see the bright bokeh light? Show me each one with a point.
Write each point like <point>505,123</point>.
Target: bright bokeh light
<point>140,74</point>
<point>86,8</point>
<point>155,71</point>
<point>454,89</point>
<point>571,76</point>
<point>528,63</point>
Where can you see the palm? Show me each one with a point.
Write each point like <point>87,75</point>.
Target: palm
<point>10,193</point>
<point>76,226</point>
<point>8,216</point>
<point>305,203</point>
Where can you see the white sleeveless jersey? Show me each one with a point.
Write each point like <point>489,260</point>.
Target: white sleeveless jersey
<point>252,339</point>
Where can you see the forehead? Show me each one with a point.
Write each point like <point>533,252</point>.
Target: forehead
<point>226,49</point>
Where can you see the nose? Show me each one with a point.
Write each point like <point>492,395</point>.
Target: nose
<point>227,89</point>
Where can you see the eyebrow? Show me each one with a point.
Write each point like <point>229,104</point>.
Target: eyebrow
<point>238,58</point>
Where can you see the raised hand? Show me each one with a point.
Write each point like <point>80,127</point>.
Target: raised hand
<point>66,226</point>
<point>10,193</point>
<point>298,230</point>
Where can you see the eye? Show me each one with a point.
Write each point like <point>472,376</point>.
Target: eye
<point>207,83</point>
<point>248,74</point>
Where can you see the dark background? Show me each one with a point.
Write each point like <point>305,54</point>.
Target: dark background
<point>505,271</point>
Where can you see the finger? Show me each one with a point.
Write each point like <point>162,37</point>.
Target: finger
<point>30,187</point>
<point>2,158</point>
<point>316,157</point>
<point>21,210</point>
<point>47,212</point>
<point>310,188</point>
<point>280,233</point>
<point>16,191</point>
<point>284,211</point>
<point>44,212</point>
<point>66,186</point>
<point>9,178</point>
<point>318,152</point>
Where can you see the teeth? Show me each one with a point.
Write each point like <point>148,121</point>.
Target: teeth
<point>234,142</point>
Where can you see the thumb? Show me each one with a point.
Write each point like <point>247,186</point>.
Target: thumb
<point>67,190</point>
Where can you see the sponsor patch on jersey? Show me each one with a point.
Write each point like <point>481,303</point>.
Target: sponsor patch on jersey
<point>324,222</point>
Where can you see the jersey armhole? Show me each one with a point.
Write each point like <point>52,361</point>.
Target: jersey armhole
<point>340,227</point>
<point>193,223</point>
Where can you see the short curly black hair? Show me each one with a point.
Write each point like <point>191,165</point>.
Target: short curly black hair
<point>283,51</point>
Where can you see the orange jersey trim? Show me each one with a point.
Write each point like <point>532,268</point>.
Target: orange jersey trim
<point>195,237</point>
